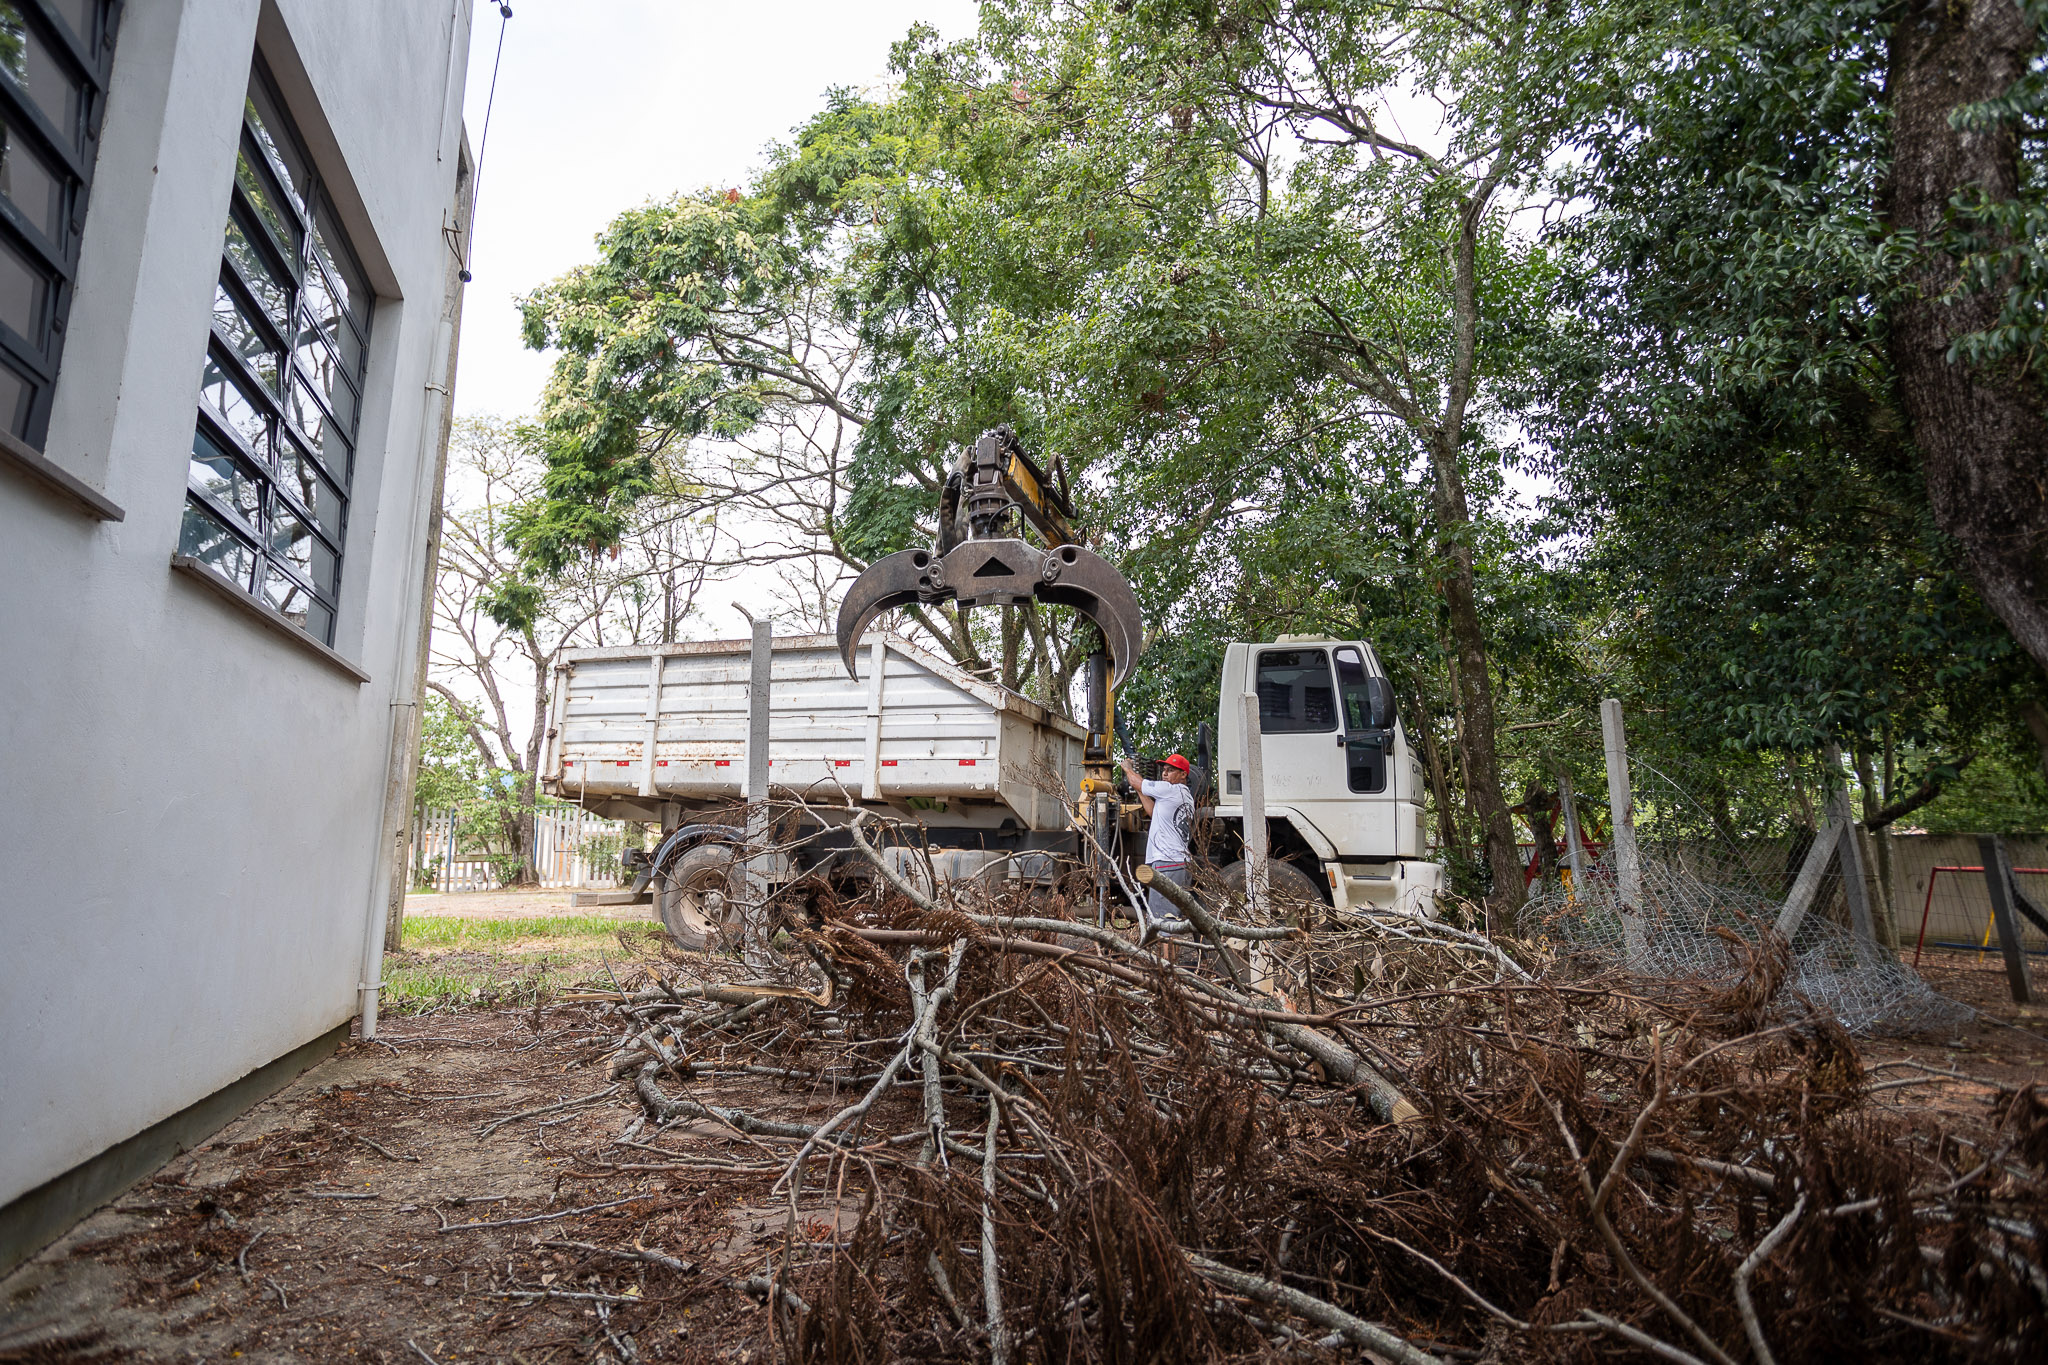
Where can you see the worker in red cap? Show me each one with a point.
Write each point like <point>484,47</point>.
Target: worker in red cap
<point>1171,807</point>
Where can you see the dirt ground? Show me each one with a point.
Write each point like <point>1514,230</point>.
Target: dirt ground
<point>417,1198</point>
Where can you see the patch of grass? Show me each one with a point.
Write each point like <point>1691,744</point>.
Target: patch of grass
<point>450,962</point>
<point>422,988</point>
<point>456,931</point>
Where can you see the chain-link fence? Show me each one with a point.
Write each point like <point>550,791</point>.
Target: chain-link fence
<point>1705,894</point>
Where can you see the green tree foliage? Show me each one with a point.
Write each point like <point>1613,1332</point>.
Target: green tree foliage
<point>1294,290</point>
<point>1728,420</point>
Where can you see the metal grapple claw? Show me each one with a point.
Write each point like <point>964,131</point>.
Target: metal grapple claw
<point>991,573</point>
<point>988,566</point>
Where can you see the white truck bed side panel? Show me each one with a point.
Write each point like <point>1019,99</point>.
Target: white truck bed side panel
<point>942,733</point>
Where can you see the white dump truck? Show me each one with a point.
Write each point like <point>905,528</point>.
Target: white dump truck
<point>997,782</point>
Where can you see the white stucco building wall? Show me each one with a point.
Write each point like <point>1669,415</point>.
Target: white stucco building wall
<point>192,850</point>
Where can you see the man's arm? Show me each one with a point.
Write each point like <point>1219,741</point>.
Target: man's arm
<point>1137,784</point>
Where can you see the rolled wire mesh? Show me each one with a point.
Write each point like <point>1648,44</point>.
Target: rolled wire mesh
<point>1702,891</point>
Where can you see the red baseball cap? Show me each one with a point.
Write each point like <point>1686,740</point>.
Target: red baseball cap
<point>1175,761</point>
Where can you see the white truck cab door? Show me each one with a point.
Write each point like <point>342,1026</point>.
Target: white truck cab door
<point>1336,773</point>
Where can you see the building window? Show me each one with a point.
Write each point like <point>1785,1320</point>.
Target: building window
<point>54,59</point>
<point>267,501</point>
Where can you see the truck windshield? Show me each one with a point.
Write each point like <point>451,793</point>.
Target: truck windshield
<point>1295,696</point>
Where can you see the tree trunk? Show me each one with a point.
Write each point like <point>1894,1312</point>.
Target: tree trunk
<point>1475,693</point>
<point>1423,728</point>
<point>1982,430</point>
<point>2036,717</point>
<point>1880,843</point>
<point>1543,806</point>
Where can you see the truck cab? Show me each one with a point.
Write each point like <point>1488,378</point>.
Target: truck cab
<point>1344,793</point>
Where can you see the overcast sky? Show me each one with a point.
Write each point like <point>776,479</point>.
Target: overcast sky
<point>604,104</point>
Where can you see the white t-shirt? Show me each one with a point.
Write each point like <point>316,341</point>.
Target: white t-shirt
<point>1173,817</point>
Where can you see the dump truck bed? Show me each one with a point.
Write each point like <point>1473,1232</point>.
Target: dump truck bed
<point>635,727</point>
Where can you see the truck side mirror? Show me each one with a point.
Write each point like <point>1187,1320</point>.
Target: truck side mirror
<point>1379,697</point>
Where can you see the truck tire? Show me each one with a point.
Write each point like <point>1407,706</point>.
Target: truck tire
<point>693,897</point>
<point>1289,883</point>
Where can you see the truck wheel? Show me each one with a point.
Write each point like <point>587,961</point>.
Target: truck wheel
<point>694,895</point>
<point>1289,882</point>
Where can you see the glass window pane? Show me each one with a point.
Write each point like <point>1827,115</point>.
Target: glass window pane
<point>1295,693</point>
<point>23,290</point>
<point>263,197</point>
<point>287,597</point>
<point>305,482</point>
<point>298,606</point>
<point>42,75</point>
<point>206,538</point>
<point>269,128</point>
<point>78,14</point>
<point>294,543</point>
<point>223,393</point>
<point>351,290</point>
<point>323,370</point>
<point>322,436</point>
<point>32,186</point>
<point>319,621</point>
<point>321,316</point>
<point>224,475</point>
<point>270,291</point>
<point>245,338</point>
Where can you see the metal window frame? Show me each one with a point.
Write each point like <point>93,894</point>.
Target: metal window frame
<point>36,360</point>
<point>333,462</point>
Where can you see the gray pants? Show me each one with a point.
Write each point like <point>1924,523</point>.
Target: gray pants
<point>1156,903</point>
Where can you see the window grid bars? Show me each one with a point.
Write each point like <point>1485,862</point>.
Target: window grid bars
<point>328,453</point>
<point>32,359</point>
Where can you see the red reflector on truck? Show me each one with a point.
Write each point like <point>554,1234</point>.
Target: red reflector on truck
<point>661,763</point>
<point>888,762</point>
<point>842,763</point>
<point>968,762</point>
<point>721,763</point>
<point>625,763</point>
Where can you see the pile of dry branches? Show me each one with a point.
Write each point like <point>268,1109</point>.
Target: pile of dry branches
<point>1392,1136</point>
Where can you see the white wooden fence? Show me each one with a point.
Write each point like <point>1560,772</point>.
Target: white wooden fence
<point>558,838</point>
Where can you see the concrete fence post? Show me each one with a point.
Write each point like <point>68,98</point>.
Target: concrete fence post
<point>755,948</point>
<point>1252,757</point>
<point>1628,863</point>
<point>1575,843</point>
